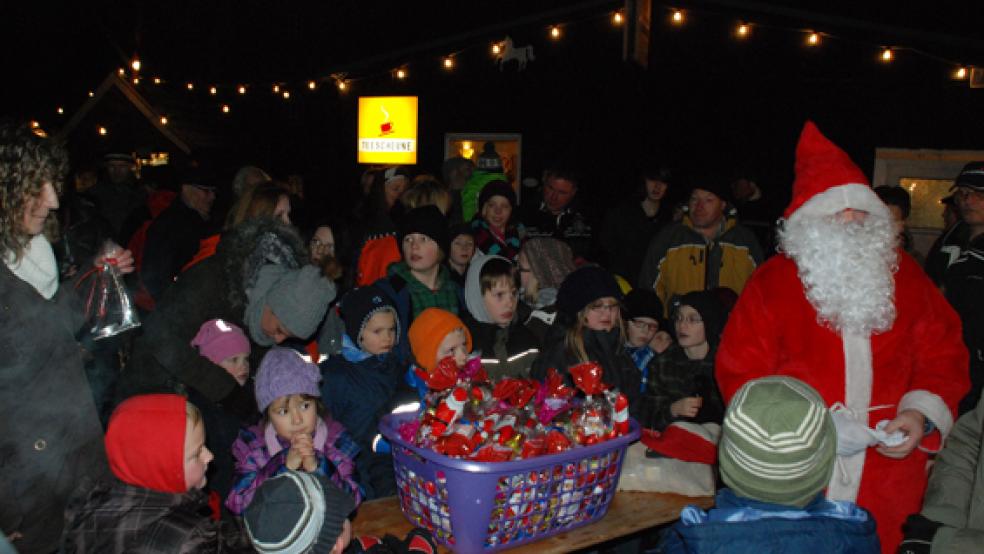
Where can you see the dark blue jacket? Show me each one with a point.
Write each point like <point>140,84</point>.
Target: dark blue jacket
<point>740,525</point>
<point>358,394</point>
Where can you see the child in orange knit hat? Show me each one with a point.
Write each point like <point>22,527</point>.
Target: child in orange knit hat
<point>437,334</point>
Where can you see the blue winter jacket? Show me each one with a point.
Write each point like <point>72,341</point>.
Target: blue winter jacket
<point>740,525</point>
<point>357,390</point>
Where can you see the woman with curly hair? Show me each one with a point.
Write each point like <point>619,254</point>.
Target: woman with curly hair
<point>52,438</point>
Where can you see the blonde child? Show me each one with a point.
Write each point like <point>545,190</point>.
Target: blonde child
<point>295,433</point>
<point>156,449</point>
<point>226,346</point>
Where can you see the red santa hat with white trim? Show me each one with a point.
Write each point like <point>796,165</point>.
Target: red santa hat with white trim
<point>827,181</point>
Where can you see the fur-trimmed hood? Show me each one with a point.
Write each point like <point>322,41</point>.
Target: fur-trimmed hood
<point>253,244</point>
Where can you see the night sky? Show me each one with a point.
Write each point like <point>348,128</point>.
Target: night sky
<point>708,103</point>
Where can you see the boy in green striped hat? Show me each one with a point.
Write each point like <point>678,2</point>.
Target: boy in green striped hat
<point>777,454</point>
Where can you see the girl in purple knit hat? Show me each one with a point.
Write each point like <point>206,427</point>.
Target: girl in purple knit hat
<point>295,433</point>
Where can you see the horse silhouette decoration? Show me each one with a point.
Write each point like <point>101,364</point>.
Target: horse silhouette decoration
<point>507,52</point>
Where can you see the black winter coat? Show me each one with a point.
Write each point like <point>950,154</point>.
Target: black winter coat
<point>672,376</point>
<point>506,352</point>
<point>51,434</point>
<point>172,241</point>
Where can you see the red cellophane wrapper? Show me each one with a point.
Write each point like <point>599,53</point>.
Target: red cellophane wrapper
<point>555,442</point>
<point>587,376</point>
<point>492,453</point>
<point>443,376</point>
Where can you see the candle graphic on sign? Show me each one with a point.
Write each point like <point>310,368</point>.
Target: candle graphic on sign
<point>386,127</point>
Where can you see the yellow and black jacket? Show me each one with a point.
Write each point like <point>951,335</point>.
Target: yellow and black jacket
<point>680,260</point>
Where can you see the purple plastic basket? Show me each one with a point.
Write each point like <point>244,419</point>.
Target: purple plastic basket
<point>488,506</point>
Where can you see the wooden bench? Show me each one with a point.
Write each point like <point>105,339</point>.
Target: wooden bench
<point>628,513</point>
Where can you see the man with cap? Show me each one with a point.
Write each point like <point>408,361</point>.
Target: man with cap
<point>947,247</point>
<point>776,455</point>
<point>963,279</point>
<point>117,192</point>
<point>846,311</point>
<point>708,249</point>
<point>556,215</point>
<point>174,236</point>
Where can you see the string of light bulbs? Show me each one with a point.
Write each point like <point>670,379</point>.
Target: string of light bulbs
<point>343,82</point>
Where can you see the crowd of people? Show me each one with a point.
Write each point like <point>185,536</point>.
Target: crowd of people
<point>273,341</point>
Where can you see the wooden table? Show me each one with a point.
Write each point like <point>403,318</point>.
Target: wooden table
<point>628,513</point>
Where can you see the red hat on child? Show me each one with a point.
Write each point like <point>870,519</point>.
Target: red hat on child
<point>145,442</point>
<point>827,181</point>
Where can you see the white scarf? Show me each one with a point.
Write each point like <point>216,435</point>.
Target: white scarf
<point>37,266</point>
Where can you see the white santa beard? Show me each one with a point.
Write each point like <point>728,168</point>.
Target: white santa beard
<point>847,270</point>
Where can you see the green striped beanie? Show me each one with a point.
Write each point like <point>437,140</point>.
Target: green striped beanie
<point>778,442</point>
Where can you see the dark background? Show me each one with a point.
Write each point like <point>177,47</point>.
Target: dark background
<point>708,103</point>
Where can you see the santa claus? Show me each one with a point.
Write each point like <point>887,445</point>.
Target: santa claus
<point>843,309</point>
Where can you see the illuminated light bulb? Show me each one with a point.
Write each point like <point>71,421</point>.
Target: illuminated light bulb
<point>286,95</point>
<point>276,89</point>
<point>887,55</point>
<point>401,74</point>
<point>102,131</point>
<point>496,48</point>
<point>163,120</point>
<point>35,124</point>
<point>813,39</point>
<point>960,73</point>
<point>617,18</point>
<point>121,72</point>
<point>555,32</point>
<point>448,63</point>
<point>241,89</point>
<point>91,94</point>
<point>678,17</point>
<point>135,64</point>
<point>157,80</point>
<point>213,90</point>
<point>743,30</point>
<point>342,85</point>
<point>136,80</point>
<point>191,86</point>
<point>60,110</point>
<point>225,108</point>
<point>312,85</point>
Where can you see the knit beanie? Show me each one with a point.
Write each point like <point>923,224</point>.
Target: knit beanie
<point>358,307</point>
<point>218,340</point>
<point>712,313</point>
<point>297,512</point>
<point>643,303</point>
<point>284,372</point>
<point>550,259</point>
<point>429,221</point>
<point>460,229</point>
<point>300,298</point>
<point>496,188</point>
<point>489,160</point>
<point>145,442</point>
<point>427,332</point>
<point>778,442</point>
<point>473,287</point>
<point>584,286</point>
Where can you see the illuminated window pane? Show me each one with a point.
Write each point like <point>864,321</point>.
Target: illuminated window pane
<point>927,211</point>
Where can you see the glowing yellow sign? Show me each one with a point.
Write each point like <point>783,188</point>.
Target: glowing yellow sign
<point>387,130</point>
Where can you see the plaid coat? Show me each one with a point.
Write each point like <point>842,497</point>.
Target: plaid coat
<point>115,517</point>
<point>673,376</point>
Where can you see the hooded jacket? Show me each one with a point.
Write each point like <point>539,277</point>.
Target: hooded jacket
<point>506,351</point>
<point>147,507</point>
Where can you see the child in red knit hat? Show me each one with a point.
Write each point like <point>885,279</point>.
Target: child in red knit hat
<point>156,449</point>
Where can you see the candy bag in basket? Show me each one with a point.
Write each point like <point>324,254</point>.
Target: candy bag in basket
<point>109,310</point>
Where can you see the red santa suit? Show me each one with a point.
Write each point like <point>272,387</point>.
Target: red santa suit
<point>920,363</point>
